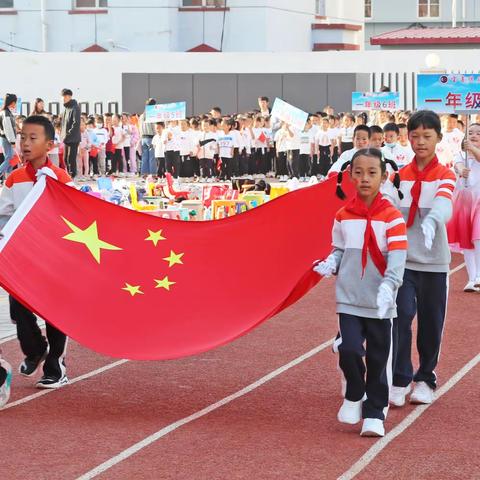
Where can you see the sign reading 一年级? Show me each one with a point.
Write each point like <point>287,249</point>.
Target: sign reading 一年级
<point>362,101</point>
<point>165,112</point>
<point>288,113</point>
<point>448,93</point>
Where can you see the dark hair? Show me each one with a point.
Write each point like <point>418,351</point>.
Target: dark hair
<point>375,129</point>
<point>374,153</point>
<point>162,124</point>
<point>151,101</point>
<point>453,115</point>
<point>35,106</point>
<point>401,125</point>
<point>265,99</point>
<point>90,121</point>
<point>391,127</point>
<point>462,124</point>
<point>360,128</point>
<point>363,116</point>
<point>425,119</point>
<point>384,88</point>
<point>217,109</point>
<point>44,122</point>
<point>66,91</point>
<point>99,118</point>
<point>350,116</point>
<point>8,100</point>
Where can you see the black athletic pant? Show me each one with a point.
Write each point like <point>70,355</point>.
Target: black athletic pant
<point>324,160</point>
<point>93,161</point>
<point>206,167</point>
<point>346,146</point>
<point>377,333</point>
<point>117,161</point>
<point>293,160</point>
<point>160,166</point>
<point>281,164</point>
<point>304,165</point>
<point>70,158</point>
<point>126,151</point>
<point>173,163</point>
<point>243,163</point>
<point>33,343</point>
<point>423,294</point>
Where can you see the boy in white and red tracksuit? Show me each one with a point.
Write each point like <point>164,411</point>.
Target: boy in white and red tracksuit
<point>427,187</point>
<point>37,140</point>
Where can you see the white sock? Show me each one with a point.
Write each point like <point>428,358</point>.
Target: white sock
<point>471,265</point>
<point>477,256</point>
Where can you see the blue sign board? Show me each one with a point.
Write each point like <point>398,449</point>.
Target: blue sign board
<point>365,101</point>
<point>166,112</point>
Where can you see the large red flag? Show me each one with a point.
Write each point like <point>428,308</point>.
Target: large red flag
<point>132,285</point>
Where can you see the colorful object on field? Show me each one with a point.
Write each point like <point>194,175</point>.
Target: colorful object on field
<point>288,113</point>
<point>449,93</point>
<point>103,248</point>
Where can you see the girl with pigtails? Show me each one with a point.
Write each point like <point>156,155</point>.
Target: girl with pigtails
<point>368,258</point>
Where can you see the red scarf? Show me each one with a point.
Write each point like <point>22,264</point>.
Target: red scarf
<point>417,186</point>
<point>358,207</point>
<point>32,173</point>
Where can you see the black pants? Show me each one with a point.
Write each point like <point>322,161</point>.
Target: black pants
<point>206,167</point>
<point>293,160</point>
<point>160,166</point>
<point>252,162</point>
<point>173,163</point>
<point>324,160</point>
<point>117,161</point>
<point>304,165</point>
<point>126,151</point>
<point>346,146</point>
<point>228,165</point>
<point>70,158</point>
<point>354,331</point>
<point>187,167</point>
<point>423,294</point>
<point>33,343</point>
<point>108,161</point>
<point>243,163</point>
<point>93,161</point>
<point>281,164</point>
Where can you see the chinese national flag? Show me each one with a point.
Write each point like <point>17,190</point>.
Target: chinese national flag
<point>131,285</point>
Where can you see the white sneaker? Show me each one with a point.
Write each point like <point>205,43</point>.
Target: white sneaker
<point>422,394</point>
<point>350,412</point>
<point>471,287</point>
<point>477,282</point>
<point>372,427</point>
<point>5,387</point>
<point>398,394</point>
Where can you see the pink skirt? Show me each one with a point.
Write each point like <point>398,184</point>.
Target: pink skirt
<point>464,226</point>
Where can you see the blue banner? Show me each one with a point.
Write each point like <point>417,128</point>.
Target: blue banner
<point>444,93</point>
<point>363,101</point>
<point>288,113</point>
<point>166,112</point>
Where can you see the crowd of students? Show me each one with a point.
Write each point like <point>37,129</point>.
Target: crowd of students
<point>417,180</point>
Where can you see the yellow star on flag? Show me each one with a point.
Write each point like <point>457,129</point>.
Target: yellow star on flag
<point>132,289</point>
<point>174,258</point>
<point>155,237</point>
<point>89,237</point>
<point>164,283</point>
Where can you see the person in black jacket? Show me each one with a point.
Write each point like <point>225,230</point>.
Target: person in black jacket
<point>8,132</point>
<point>70,133</point>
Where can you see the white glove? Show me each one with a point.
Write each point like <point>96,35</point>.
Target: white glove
<point>428,229</point>
<point>326,268</point>
<point>385,300</point>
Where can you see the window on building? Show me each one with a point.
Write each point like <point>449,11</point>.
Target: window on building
<point>368,8</point>
<point>91,3</point>
<point>6,3</point>
<point>204,3</point>
<point>429,8</point>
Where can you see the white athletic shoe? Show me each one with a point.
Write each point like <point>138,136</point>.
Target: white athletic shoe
<point>471,287</point>
<point>422,394</point>
<point>372,427</point>
<point>5,387</point>
<point>477,283</point>
<point>350,412</point>
<point>398,394</point>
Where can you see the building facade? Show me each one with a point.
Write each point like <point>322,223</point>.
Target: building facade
<point>180,25</point>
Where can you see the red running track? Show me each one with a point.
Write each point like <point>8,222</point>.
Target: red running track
<point>285,428</point>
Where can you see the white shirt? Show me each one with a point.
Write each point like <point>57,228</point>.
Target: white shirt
<point>158,142</point>
<point>344,158</point>
<point>172,144</point>
<point>281,141</point>
<point>474,165</point>
<point>226,144</point>
<point>210,149</point>
<point>346,134</point>
<point>185,142</point>
<point>305,148</point>
<point>322,138</point>
<point>454,140</point>
<point>102,135</point>
<point>333,134</point>
<point>293,143</point>
<point>400,155</point>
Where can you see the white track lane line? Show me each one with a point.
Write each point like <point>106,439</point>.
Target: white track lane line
<point>195,416</point>
<point>41,393</point>
<point>378,446</point>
